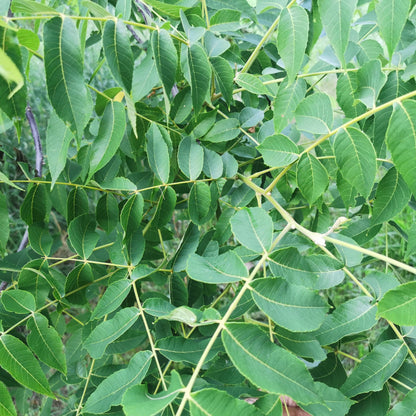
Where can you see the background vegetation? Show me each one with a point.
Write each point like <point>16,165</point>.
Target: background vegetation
<point>207,207</point>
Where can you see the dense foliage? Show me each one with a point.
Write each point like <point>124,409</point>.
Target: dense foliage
<point>214,202</point>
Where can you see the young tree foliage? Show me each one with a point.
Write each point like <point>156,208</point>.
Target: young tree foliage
<point>223,223</point>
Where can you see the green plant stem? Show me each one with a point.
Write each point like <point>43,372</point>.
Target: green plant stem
<point>79,408</point>
<point>149,335</point>
<point>343,126</point>
<point>88,18</point>
<point>257,49</point>
<point>223,321</point>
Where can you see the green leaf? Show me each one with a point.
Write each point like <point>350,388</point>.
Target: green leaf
<point>145,77</point>
<point>6,403</point>
<point>190,157</point>
<point>314,114</point>
<point>392,196</point>
<point>218,403</point>
<point>82,235</point>
<point>336,17</point>
<point>76,203</point>
<point>108,331</point>
<point>287,99</point>
<point>391,18</point>
<point>110,134</point>
<point>399,305</point>
<point>292,38</point>
<point>112,298</point>
<point>251,83</point>
<point>165,207</point>
<point>199,203</point>
<point>166,58</point>
<point>224,77</point>
<point>335,402</point>
<point>380,283</point>
<point>187,349</point>
<point>131,214</point>
<point>64,73</point>
<point>223,131</point>
<point>225,268</point>
<point>356,159</point>
<point>158,153</point>
<point>10,72</point>
<point>79,277</point>
<point>4,220</point>
<point>18,301</point>
<point>35,207</point>
<point>302,344</point>
<point>110,391</point>
<point>351,317</point>
<point>213,165</point>
<point>118,53</point>
<point>370,81</point>
<point>30,7</point>
<point>13,105</point>
<point>253,228</point>
<point>107,212</point>
<point>46,343</point>
<point>312,177</point>
<point>40,240</point>
<point>347,99</point>
<point>375,368</point>
<point>278,151</point>
<point>293,307</point>
<point>274,369</point>
<point>406,407</point>
<point>151,404</point>
<point>401,141</point>
<point>18,361</point>
<point>200,72</point>
<point>172,10</point>
<point>123,8</point>
<point>58,138</point>
<point>225,20</point>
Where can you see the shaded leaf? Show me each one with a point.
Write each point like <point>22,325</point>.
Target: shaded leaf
<point>64,73</point>
<point>224,77</point>
<point>108,331</point>
<point>46,343</point>
<point>117,51</point>
<point>391,18</point>
<point>392,196</point>
<point>401,141</point>
<point>293,307</point>
<point>110,391</point>
<point>253,228</point>
<point>351,317</point>
<point>275,370</point>
<point>336,17</point>
<point>370,81</point>
<point>399,305</point>
<point>292,38</point>
<point>287,99</point>
<point>110,134</point>
<point>278,151</point>
<point>200,71</point>
<point>166,58</point>
<point>312,177</point>
<point>225,268</point>
<point>217,403</point>
<point>106,212</point>
<point>6,403</point>
<point>356,159</point>
<point>82,235</point>
<point>18,301</point>
<point>199,203</point>
<point>150,404</point>
<point>158,153</point>
<point>375,368</point>
<point>18,361</point>
<point>113,297</point>
<point>314,114</point>
<point>190,157</point>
